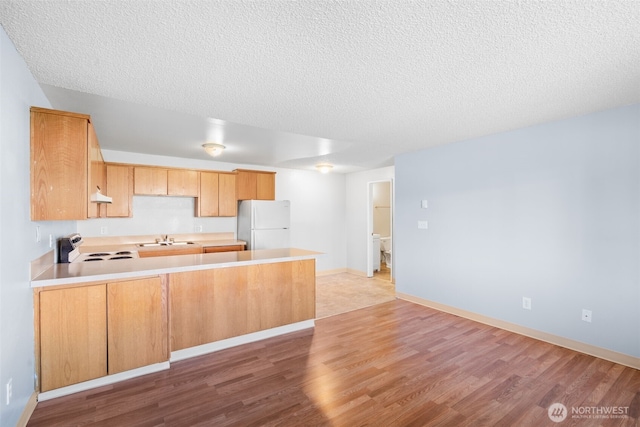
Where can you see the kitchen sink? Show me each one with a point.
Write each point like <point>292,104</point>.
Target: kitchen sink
<point>149,245</point>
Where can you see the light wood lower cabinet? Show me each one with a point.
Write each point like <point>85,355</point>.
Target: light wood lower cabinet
<point>172,250</point>
<point>73,338</point>
<point>212,305</point>
<point>137,324</point>
<point>87,332</point>
<point>204,302</point>
<point>228,248</point>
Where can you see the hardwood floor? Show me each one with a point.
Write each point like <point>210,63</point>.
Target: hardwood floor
<point>391,364</point>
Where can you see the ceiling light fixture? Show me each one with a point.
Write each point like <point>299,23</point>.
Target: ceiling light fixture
<point>213,149</point>
<point>324,167</point>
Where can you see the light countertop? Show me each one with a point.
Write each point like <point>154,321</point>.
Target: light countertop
<point>81,272</point>
<point>130,243</point>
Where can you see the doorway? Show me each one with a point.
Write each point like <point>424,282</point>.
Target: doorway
<point>380,224</point>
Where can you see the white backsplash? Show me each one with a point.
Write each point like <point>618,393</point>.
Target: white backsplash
<point>157,215</point>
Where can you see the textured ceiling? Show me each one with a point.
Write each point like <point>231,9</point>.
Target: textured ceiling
<point>289,84</point>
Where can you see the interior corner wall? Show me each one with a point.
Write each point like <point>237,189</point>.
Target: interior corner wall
<point>18,246</point>
<point>550,212</point>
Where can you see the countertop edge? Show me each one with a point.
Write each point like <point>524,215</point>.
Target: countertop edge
<point>55,275</point>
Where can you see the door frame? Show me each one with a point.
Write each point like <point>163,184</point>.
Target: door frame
<point>370,208</point>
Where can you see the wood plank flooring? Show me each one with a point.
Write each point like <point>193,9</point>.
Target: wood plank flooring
<point>391,364</point>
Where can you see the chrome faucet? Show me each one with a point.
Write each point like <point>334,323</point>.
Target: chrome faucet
<point>164,239</point>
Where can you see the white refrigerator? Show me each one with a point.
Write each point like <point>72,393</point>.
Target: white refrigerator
<point>264,224</point>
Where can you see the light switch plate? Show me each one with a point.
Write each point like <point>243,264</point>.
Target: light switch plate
<point>424,204</point>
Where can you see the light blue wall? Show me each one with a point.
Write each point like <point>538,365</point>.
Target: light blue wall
<point>550,212</point>
<point>18,92</point>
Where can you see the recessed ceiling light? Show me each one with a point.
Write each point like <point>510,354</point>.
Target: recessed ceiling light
<point>213,149</point>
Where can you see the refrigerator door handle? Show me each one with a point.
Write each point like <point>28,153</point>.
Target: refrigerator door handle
<point>253,218</point>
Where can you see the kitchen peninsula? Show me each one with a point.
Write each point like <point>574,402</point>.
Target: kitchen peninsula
<point>102,322</point>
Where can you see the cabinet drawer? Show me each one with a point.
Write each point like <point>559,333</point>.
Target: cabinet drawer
<point>230,248</point>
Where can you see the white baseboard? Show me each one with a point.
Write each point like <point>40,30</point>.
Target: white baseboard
<point>242,339</point>
<point>602,353</point>
<point>98,382</point>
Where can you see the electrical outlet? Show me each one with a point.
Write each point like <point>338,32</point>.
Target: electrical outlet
<point>38,238</point>
<point>526,303</point>
<point>104,230</point>
<point>423,225</point>
<point>9,390</point>
<point>50,240</point>
<point>198,228</point>
<point>424,204</point>
<point>586,315</point>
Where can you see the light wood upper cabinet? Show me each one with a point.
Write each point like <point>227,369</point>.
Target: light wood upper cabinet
<point>255,185</point>
<point>119,187</point>
<point>97,173</point>
<point>150,181</point>
<point>228,204</point>
<point>208,204</point>
<point>66,165</point>
<point>73,339</point>
<point>182,182</point>
<point>137,324</point>
<point>266,186</point>
<point>154,181</point>
<point>217,195</point>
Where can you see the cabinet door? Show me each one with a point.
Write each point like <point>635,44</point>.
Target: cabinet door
<point>265,186</point>
<point>73,336</point>
<point>136,324</point>
<point>96,173</point>
<point>246,185</point>
<point>303,275</point>
<point>191,296</point>
<point>208,200</point>
<point>150,181</point>
<point>227,202</point>
<point>281,293</point>
<point>207,306</point>
<point>120,188</point>
<point>182,183</point>
<point>58,166</point>
<point>270,295</point>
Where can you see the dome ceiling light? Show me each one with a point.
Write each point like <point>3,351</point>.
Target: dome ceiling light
<point>213,149</point>
<point>324,167</point>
